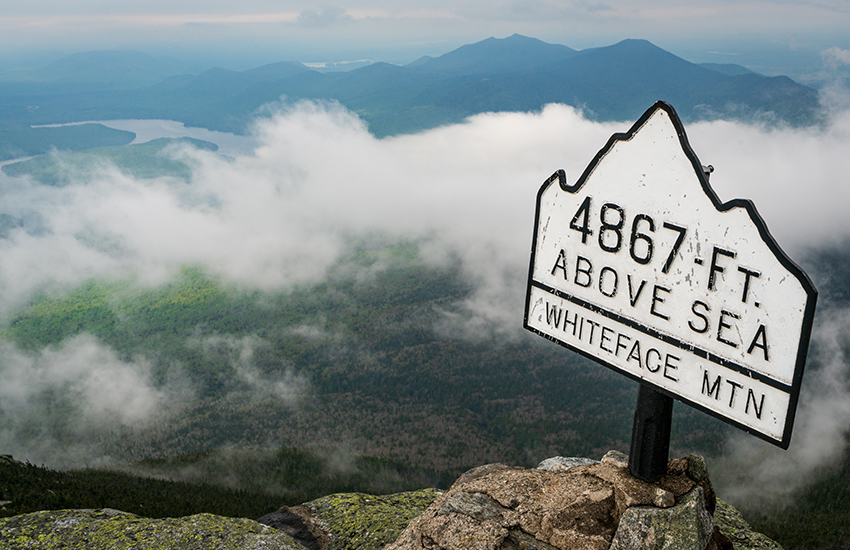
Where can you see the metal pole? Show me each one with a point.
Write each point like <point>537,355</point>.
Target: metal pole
<point>651,434</point>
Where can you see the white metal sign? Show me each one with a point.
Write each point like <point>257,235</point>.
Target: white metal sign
<point>642,268</point>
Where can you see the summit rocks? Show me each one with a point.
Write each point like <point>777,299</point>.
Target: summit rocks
<point>565,503</point>
<point>571,507</point>
<point>574,504</point>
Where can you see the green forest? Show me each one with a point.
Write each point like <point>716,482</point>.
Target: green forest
<point>259,482</point>
<point>19,139</point>
<point>375,365</point>
<point>418,406</point>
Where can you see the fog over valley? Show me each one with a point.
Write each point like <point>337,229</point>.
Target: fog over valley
<point>282,214</point>
<point>296,209</point>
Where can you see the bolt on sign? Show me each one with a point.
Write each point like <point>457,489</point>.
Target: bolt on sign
<point>641,267</point>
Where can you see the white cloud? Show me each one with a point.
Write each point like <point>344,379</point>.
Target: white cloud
<point>794,176</point>
<point>322,17</point>
<point>57,403</point>
<point>107,389</point>
<point>755,474</point>
<point>835,57</point>
<point>284,214</point>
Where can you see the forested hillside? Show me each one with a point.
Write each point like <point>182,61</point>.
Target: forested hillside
<point>351,383</point>
<point>19,139</point>
<point>357,362</point>
<point>245,483</point>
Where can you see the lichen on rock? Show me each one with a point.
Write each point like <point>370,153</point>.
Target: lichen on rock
<point>575,505</point>
<point>349,521</point>
<point>107,529</point>
<point>560,463</point>
<point>732,524</point>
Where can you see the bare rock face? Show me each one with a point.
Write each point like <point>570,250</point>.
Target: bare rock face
<point>686,525</point>
<point>581,507</point>
<point>560,463</point>
<point>574,503</point>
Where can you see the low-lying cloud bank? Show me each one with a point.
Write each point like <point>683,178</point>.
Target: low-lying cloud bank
<point>282,215</point>
<point>56,403</point>
<point>755,474</point>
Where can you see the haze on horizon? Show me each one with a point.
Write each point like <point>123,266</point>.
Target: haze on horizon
<point>768,36</point>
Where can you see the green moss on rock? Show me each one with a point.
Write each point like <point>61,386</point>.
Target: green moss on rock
<point>107,529</point>
<point>368,522</point>
<point>732,524</point>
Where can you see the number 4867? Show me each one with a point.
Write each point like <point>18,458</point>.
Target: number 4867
<point>612,219</point>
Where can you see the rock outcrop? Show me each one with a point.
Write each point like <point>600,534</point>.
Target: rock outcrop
<point>113,530</point>
<point>351,520</point>
<point>593,506</point>
<point>732,524</point>
<point>565,503</point>
<point>685,525</point>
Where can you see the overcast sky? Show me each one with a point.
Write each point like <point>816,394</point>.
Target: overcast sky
<point>251,32</point>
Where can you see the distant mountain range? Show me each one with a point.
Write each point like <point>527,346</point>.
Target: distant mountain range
<point>517,73</point>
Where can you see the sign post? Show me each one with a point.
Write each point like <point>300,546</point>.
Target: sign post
<point>641,267</point>
<point>650,434</point>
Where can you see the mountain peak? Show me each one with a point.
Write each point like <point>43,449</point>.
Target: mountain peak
<point>498,55</point>
<point>636,45</point>
<point>636,55</point>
